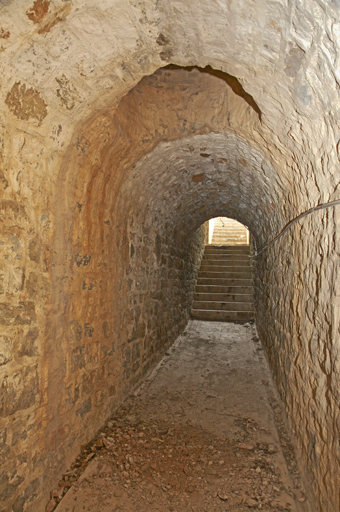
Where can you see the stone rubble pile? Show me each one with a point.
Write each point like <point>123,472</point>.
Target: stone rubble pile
<point>158,467</point>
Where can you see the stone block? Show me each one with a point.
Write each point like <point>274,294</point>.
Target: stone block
<point>6,345</point>
<point>19,391</point>
<point>21,314</point>
<point>78,358</point>
<point>29,347</point>
<point>85,408</point>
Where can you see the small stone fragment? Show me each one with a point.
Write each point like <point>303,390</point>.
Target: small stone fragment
<point>198,177</point>
<point>222,496</point>
<point>107,443</point>
<point>51,505</point>
<point>245,446</point>
<point>251,503</point>
<point>57,493</point>
<point>299,496</point>
<point>64,483</point>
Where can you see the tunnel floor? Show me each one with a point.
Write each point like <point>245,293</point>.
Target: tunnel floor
<point>205,432</point>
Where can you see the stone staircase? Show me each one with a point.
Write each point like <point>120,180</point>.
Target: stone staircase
<point>224,290</point>
<point>229,232</point>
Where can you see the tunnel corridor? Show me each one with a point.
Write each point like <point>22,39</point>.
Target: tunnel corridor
<point>206,431</point>
<point>124,127</point>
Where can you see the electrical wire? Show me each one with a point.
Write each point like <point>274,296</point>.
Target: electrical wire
<point>293,221</point>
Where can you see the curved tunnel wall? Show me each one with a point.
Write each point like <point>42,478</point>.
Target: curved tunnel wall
<point>101,192</point>
<point>131,197</point>
<point>173,159</point>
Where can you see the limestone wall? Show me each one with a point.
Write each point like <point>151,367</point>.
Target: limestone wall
<point>298,320</point>
<point>108,167</point>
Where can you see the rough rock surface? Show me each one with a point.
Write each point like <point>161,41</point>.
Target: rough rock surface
<point>99,249</point>
<point>202,440</point>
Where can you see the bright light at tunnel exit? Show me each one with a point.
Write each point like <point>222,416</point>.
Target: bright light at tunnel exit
<point>223,230</point>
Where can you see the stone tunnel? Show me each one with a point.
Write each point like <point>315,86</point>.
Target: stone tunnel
<point>125,126</point>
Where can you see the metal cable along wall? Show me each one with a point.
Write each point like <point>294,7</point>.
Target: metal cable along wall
<point>292,222</point>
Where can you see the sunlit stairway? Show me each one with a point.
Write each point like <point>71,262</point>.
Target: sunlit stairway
<point>229,232</point>
<point>224,290</point>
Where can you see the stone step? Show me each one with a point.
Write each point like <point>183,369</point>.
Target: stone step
<point>223,236</point>
<point>233,242</point>
<point>222,316</point>
<point>230,241</point>
<point>226,249</point>
<point>229,235</point>
<point>232,257</point>
<point>224,264</point>
<point>229,231</point>
<point>224,289</point>
<point>224,239</point>
<point>223,297</point>
<point>229,250</point>
<point>227,282</point>
<point>223,306</point>
<point>234,273</point>
<point>225,267</point>
<point>230,227</point>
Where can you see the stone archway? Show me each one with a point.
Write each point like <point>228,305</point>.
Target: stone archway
<point>80,156</point>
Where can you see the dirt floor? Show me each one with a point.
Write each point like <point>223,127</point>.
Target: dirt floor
<point>205,432</point>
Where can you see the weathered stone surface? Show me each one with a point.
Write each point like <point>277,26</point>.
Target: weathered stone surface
<point>38,11</point>
<point>106,175</point>
<point>29,346</point>
<point>23,313</point>
<point>6,345</point>
<point>19,391</point>
<point>26,103</point>
<point>4,448</point>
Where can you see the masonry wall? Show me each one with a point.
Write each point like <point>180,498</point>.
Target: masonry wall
<point>123,311</point>
<point>24,301</point>
<point>99,271</point>
<point>96,146</point>
<point>297,318</point>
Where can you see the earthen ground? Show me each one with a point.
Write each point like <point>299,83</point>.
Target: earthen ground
<point>205,432</point>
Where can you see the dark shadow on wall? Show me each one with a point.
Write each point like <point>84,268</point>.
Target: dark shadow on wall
<point>232,81</point>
